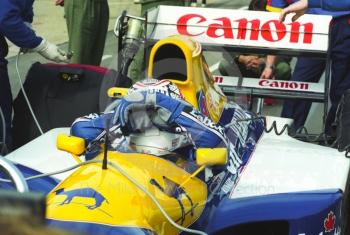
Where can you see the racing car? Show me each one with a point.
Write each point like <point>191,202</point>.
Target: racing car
<point>284,186</point>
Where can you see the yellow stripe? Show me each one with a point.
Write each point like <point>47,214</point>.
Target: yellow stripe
<point>273,9</point>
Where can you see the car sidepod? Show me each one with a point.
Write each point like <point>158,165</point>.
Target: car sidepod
<point>302,213</point>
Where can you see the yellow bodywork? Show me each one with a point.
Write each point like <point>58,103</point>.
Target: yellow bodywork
<point>211,156</point>
<point>124,204</point>
<point>199,88</point>
<point>70,144</point>
<point>94,195</point>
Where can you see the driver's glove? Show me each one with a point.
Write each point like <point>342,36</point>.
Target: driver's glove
<point>130,113</point>
<point>51,52</point>
<point>141,110</point>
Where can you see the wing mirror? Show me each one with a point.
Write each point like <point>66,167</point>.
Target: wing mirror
<point>208,157</point>
<point>117,92</point>
<point>211,156</point>
<point>71,144</point>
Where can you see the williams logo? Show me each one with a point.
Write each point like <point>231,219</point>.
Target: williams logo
<point>82,192</point>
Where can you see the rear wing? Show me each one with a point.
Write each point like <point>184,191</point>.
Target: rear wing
<point>241,30</point>
<point>271,88</point>
<point>249,32</point>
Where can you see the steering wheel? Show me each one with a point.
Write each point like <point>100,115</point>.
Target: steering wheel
<point>15,175</point>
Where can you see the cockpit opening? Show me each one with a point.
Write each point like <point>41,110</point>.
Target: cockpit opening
<point>170,63</point>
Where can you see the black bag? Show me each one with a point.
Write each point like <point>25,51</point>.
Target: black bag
<point>58,95</point>
<point>343,123</point>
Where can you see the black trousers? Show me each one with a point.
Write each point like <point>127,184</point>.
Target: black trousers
<point>5,103</point>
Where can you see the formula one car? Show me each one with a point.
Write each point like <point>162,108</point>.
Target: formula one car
<point>283,185</point>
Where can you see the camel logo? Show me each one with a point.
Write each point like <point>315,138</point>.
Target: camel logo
<point>82,192</point>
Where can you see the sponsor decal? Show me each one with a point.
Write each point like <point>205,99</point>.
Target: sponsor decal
<point>202,104</point>
<point>329,222</point>
<point>336,232</point>
<point>218,79</point>
<point>207,122</point>
<point>231,28</point>
<point>82,193</point>
<point>284,84</point>
<point>329,226</point>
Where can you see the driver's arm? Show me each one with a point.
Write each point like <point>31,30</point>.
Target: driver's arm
<point>171,112</point>
<point>204,132</point>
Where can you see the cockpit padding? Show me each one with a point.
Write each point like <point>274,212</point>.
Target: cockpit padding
<point>170,63</point>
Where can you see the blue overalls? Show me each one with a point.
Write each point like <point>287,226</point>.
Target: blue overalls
<point>332,5</point>
<point>13,14</point>
<point>311,70</point>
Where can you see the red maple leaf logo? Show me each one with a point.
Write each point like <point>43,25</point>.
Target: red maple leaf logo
<point>329,222</point>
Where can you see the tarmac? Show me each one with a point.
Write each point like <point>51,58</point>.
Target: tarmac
<point>49,21</point>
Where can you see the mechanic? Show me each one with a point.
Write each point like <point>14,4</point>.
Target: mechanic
<point>171,114</point>
<point>87,25</point>
<point>15,20</point>
<point>300,7</point>
<point>256,66</point>
<point>311,70</point>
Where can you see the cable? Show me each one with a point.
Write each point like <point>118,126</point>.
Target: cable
<point>4,147</point>
<point>130,178</point>
<point>26,97</point>
<point>323,137</point>
<point>141,187</point>
<point>55,172</point>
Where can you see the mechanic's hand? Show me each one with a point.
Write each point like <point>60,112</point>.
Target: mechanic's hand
<point>59,3</point>
<point>299,8</point>
<point>51,52</point>
<point>267,73</point>
<point>255,63</point>
<point>247,60</point>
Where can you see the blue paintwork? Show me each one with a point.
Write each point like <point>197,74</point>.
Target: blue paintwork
<point>82,192</point>
<point>90,228</point>
<point>305,211</point>
<point>43,185</point>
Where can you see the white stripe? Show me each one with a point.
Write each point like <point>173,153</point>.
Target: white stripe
<point>214,67</point>
<point>105,57</point>
<point>243,8</point>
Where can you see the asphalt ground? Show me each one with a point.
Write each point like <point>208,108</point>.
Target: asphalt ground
<point>49,23</point>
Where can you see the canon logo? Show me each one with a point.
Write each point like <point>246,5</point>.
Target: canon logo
<point>224,27</point>
<point>284,84</point>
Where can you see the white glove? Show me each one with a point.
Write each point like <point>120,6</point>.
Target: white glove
<point>51,52</point>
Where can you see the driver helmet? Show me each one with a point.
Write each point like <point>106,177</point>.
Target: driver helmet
<point>159,138</point>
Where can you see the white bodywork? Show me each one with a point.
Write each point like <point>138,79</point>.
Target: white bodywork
<point>236,28</point>
<point>281,164</point>
<point>42,155</point>
<point>270,84</point>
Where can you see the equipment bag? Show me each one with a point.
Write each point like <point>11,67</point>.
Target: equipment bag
<point>58,95</point>
<point>343,123</point>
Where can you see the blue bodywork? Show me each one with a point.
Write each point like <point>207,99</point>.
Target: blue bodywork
<point>90,228</point>
<point>305,212</point>
<point>41,185</point>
